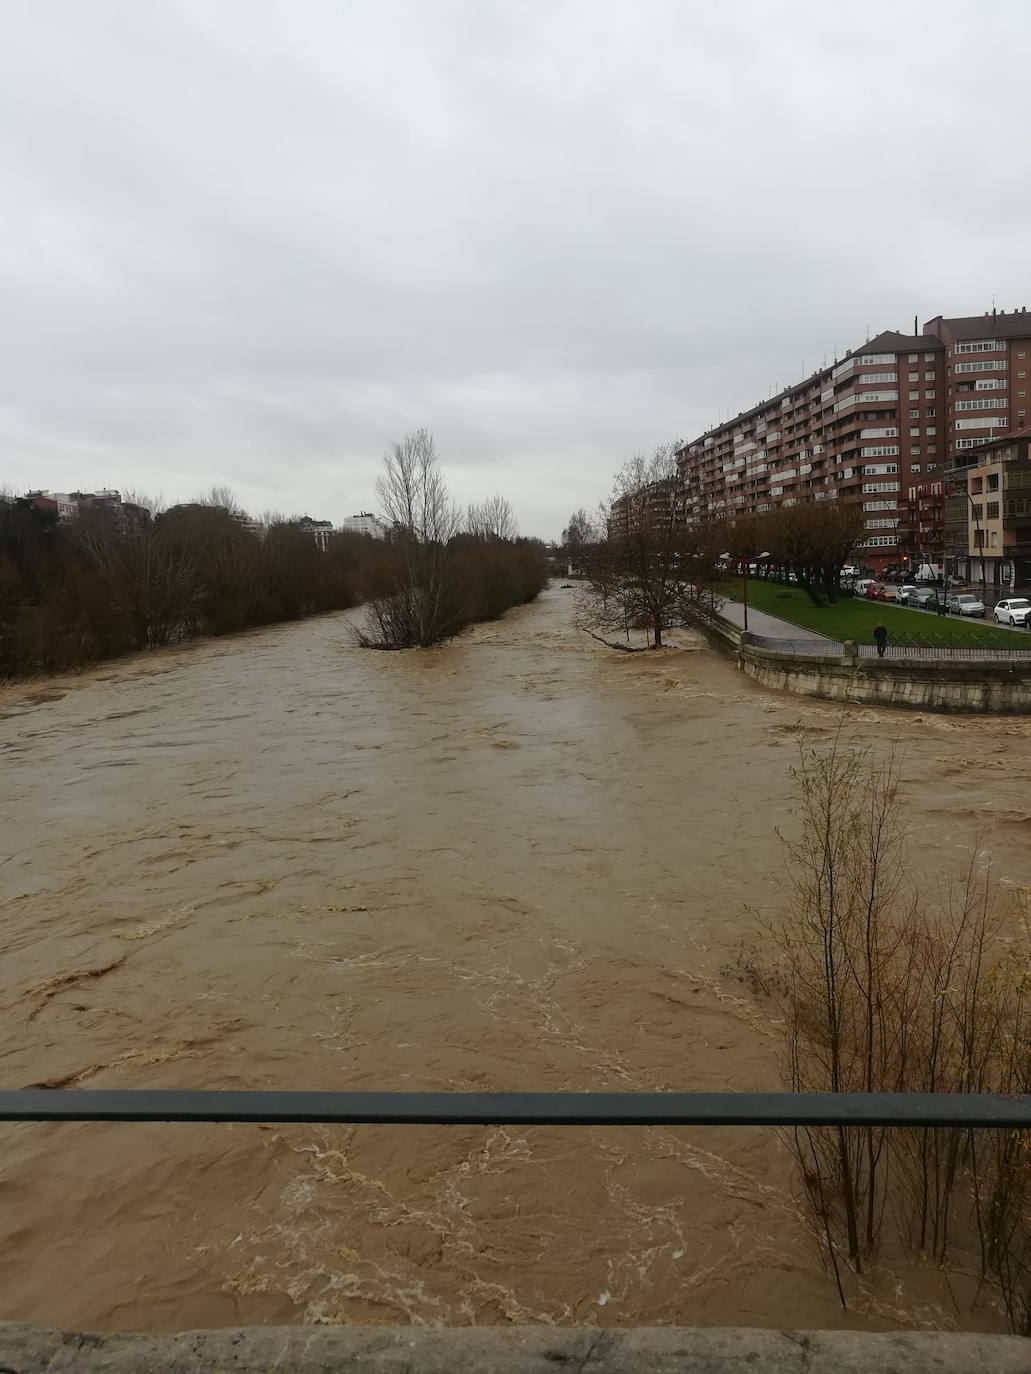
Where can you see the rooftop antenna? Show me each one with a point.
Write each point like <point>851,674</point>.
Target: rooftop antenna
<point>867,333</point>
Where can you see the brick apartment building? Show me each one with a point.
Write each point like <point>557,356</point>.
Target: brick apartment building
<point>880,428</point>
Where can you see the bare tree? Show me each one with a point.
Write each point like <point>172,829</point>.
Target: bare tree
<point>655,564</point>
<point>221,498</point>
<point>413,607</point>
<point>578,532</point>
<point>493,520</point>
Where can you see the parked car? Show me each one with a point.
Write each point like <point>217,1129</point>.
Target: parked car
<point>902,593</point>
<point>923,599</point>
<point>859,588</point>
<point>965,604</point>
<point>1015,611</point>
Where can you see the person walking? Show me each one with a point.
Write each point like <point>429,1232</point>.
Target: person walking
<point>880,636</point>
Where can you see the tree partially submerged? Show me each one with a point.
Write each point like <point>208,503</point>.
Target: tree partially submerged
<point>885,987</point>
<point>654,567</point>
<point>438,578</point>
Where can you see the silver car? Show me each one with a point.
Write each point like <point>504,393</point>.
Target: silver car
<point>965,604</point>
<point>925,599</point>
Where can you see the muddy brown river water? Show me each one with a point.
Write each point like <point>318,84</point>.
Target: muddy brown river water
<point>515,862</point>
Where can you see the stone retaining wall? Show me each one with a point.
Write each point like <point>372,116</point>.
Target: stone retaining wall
<point>986,686</point>
<point>923,685</point>
<point>510,1350</point>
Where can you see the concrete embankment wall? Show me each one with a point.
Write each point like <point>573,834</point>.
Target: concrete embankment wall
<point>511,1350</point>
<point>985,686</point>
<point>988,687</point>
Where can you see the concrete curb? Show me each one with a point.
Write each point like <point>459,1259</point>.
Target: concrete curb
<point>510,1350</point>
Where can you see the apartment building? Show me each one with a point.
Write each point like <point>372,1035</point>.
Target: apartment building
<point>364,523</point>
<point>880,428</point>
<point>857,431</point>
<point>988,515</point>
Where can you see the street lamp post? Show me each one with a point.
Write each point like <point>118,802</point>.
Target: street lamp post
<point>747,563</point>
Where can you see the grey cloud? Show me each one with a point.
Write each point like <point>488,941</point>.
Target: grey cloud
<point>253,241</point>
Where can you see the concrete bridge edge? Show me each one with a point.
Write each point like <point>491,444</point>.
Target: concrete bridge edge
<point>510,1350</point>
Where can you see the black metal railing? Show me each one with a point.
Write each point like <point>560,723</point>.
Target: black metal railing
<point>915,648</point>
<point>826,648</point>
<point>964,1110</point>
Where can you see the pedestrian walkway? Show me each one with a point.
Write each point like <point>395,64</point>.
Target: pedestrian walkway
<point>771,626</point>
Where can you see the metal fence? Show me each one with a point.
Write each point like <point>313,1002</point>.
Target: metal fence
<point>826,648</point>
<point>970,653</point>
<point>963,1110</point>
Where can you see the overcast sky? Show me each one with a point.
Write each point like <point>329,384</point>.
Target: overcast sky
<point>252,241</point>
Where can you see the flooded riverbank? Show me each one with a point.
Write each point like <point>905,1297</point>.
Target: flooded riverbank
<point>515,862</point>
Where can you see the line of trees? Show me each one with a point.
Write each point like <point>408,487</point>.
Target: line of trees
<point>812,542</point>
<point>650,562</point>
<point>123,578</point>
<point>106,584</point>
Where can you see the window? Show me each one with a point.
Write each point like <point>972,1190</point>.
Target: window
<point>1020,393</point>
<point>914,414</point>
<point>985,422</point>
<point>914,395</point>
<point>930,412</point>
<point>929,394</point>
<point>915,357</point>
<point>914,376</point>
<point>981,346</point>
<point>1021,372</point>
<point>985,366</point>
<point>915,468</point>
<point>991,510</point>
<point>979,539</point>
<point>982,403</point>
<point>914,434</point>
<point>932,430</point>
<point>1021,355</point>
<point>928,376</point>
<point>993,482</point>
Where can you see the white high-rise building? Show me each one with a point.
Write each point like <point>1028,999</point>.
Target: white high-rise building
<point>364,523</point>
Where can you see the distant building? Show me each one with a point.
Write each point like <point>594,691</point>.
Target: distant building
<point>320,530</point>
<point>61,503</point>
<point>364,523</point>
<point>72,505</point>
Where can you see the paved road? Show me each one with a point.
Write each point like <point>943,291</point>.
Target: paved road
<point>769,625</point>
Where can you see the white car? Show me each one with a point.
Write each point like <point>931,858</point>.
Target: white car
<point>1015,611</point>
<point>859,588</point>
<point>902,593</point>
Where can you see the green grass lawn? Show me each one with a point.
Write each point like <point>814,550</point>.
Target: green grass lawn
<point>855,618</point>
